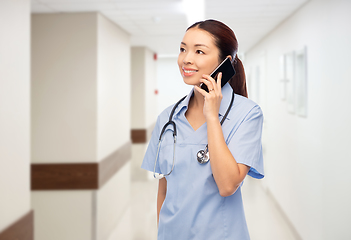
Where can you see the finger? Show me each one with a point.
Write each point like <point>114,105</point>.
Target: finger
<point>201,91</point>
<point>214,84</point>
<point>208,83</point>
<point>219,83</point>
<point>219,80</point>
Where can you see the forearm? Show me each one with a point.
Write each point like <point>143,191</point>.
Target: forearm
<point>161,195</point>
<point>160,200</point>
<point>227,173</point>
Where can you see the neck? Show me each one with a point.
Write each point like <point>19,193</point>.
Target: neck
<point>197,101</point>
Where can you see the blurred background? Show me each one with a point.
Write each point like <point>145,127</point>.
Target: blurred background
<point>82,83</point>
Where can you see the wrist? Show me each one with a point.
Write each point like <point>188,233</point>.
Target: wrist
<point>212,119</point>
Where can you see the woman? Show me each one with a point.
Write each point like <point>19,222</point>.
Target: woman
<point>203,201</point>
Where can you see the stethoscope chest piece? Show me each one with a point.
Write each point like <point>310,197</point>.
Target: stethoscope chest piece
<point>203,156</point>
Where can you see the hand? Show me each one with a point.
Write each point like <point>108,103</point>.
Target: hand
<point>212,98</point>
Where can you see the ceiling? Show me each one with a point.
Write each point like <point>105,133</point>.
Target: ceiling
<point>160,24</point>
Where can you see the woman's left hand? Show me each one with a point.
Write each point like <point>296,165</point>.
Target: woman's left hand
<point>212,98</point>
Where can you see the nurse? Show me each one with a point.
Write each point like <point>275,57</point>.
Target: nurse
<point>203,201</point>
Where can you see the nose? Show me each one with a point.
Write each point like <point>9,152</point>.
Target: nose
<point>188,59</point>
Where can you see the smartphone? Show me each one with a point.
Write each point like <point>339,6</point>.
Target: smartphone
<point>227,70</point>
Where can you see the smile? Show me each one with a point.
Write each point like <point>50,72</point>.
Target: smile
<point>188,72</point>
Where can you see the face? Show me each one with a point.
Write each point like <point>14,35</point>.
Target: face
<point>198,55</point>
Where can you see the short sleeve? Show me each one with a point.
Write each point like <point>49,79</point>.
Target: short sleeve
<point>150,155</point>
<point>245,143</point>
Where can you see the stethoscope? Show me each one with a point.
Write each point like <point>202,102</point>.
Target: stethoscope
<point>202,155</point>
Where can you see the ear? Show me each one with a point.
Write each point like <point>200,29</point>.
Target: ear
<point>230,57</point>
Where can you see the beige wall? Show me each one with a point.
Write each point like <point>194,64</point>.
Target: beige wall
<point>144,102</point>
<point>113,87</point>
<point>62,215</point>
<point>112,202</point>
<point>14,111</point>
<point>138,114</point>
<point>144,84</point>
<point>113,114</point>
<point>150,87</point>
<point>81,113</point>
<point>307,160</point>
<point>64,80</point>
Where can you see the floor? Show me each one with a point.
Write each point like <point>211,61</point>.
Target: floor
<point>265,220</point>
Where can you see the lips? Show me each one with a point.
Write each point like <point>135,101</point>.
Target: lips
<point>188,72</point>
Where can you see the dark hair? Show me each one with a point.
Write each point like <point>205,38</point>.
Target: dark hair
<point>227,44</point>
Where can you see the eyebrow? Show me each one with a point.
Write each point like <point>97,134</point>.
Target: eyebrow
<point>196,45</point>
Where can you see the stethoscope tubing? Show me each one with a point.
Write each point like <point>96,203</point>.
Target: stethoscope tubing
<point>170,122</point>
<point>202,155</point>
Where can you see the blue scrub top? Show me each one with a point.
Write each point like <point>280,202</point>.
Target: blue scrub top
<point>193,207</point>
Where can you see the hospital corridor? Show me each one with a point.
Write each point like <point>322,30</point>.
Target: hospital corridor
<point>86,87</point>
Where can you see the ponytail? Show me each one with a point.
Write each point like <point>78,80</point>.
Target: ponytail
<point>238,81</point>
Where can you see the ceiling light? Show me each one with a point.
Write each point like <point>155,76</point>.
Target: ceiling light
<point>156,19</point>
<point>194,10</point>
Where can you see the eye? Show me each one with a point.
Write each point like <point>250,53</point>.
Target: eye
<point>199,52</point>
<point>182,49</point>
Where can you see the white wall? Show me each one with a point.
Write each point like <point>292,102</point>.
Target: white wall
<point>307,159</point>
<point>170,83</point>
<point>14,111</point>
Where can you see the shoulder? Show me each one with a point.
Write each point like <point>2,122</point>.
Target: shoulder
<point>245,107</point>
